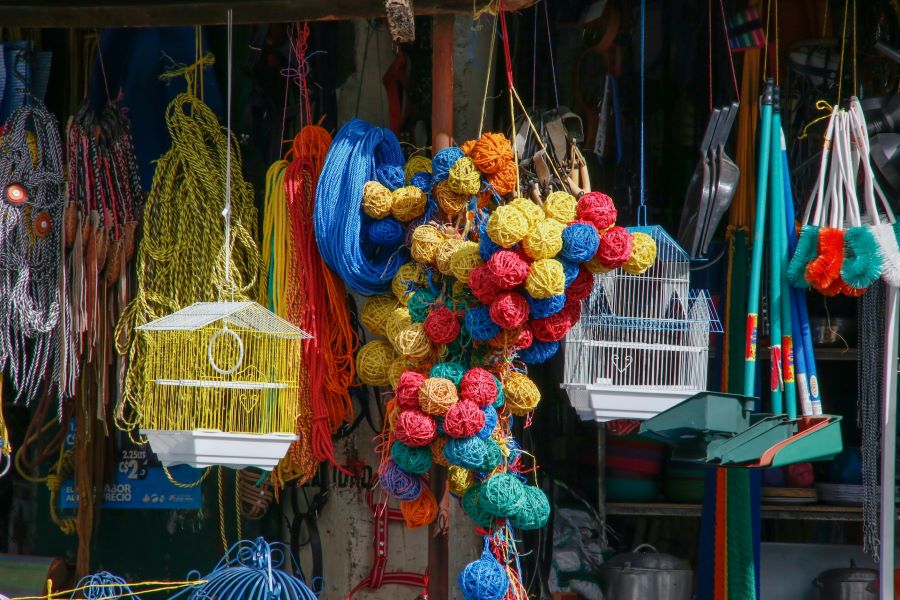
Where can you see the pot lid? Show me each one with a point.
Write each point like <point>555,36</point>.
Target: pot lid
<point>652,560</point>
<point>847,574</point>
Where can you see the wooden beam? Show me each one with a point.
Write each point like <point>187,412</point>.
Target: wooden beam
<point>131,13</point>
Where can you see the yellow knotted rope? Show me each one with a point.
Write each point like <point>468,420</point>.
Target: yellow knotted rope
<point>278,257</point>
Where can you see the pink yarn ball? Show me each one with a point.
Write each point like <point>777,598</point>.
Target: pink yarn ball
<point>508,268</point>
<point>441,325</point>
<point>478,386</point>
<point>581,286</point>
<point>598,208</point>
<point>615,248</point>
<point>414,428</point>
<point>509,310</point>
<point>407,392</point>
<point>464,419</point>
<point>483,284</point>
<point>552,328</point>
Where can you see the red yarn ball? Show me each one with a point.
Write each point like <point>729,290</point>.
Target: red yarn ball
<point>508,268</point>
<point>552,328</point>
<point>464,419</point>
<point>615,248</point>
<point>508,339</point>
<point>407,392</point>
<point>414,428</point>
<point>478,386</point>
<point>598,208</point>
<point>509,310</point>
<point>581,286</point>
<point>441,325</point>
<point>572,310</point>
<point>526,338</point>
<point>483,284</point>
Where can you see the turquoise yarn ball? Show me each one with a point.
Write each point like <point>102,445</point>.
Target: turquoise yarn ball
<point>484,579</point>
<point>387,232</point>
<point>534,510</point>
<point>412,460</point>
<point>467,453</point>
<point>580,242</point>
<point>479,324</point>
<point>472,507</point>
<point>492,456</point>
<point>501,398</point>
<point>501,495</point>
<point>490,421</point>
<point>448,370</point>
<point>419,305</point>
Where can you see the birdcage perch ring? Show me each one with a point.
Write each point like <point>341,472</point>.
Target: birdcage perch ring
<point>209,352</point>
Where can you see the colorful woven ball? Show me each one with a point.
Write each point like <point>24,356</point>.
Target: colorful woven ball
<point>415,428</point>
<point>413,344</point>
<point>544,307</point>
<point>472,507</point>
<point>397,483</point>
<point>491,152</point>
<point>390,176</point>
<point>448,370</point>
<point>484,579</point>
<point>598,208</point>
<point>415,460</point>
<point>614,249</point>
<point>572,310</point>
<point>533,511</point>
<point>437,395</point>
<point>417,164</point>
<point>561,206</point>
<point>479,324</point>
<point>420,304</point>
<point>508,339</point>
<point>442,325</point>
<point>486,246</point>
<point>507,226</point>
<point>490,422</point>
<point>643,254</point>
<point>464,260</point>
<point>509,310</point>
<point>452,203</point>
<point>580,242</point>
<point>533,212</point>
<point>501,495</point>
<point>520,393</point>
<point>467,453</point>
<point>396,369</point>
<point>425,242</point>
<point>443,161</point>
<point>501,395</point>
<point>407,277</point>
<point>377,200</point>
<point>422,181</point>
<point>483,284</point>
<point>407,390</point>
<point>460,480</point>
<point>387,233</point>
<point>419,512</point>
<point>408,203</point>
<point>504,181</point>
<point>539,352</point>
<point>376,311</point>
<point>398,320</point>
<point>552,328</point>
<point>570,269</point>
<point>546,278</point>
<point>372,362</point>
<point>478,386</point>
<point>464,419</point>
<point>464,177</point>
<point>582,286</point>
<point>508,269</point>
<point>493,456</point>
<point>437,451</point>
<point>444,253</point>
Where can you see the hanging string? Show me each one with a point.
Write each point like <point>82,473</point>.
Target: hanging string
<point>550,50</point>
<point>490,64</point>
<point>642,210</point>
<point>737,92</point>
<point>777,47</point>
<point>227,212</point>
<point>855,55</point>
<point>766,47</point>
<point>843,49</point>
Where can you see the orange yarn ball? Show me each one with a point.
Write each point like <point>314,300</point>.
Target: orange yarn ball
<point>452,203</point>
<point>437,395</point>
<point>504,181</point>
<point>491,153</point>
<point>421,511</point>
<point>437,451</point>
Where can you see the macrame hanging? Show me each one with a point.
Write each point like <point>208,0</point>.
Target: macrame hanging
<point>869,380</point>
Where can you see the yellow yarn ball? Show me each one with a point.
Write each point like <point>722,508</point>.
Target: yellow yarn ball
<point>444,254</point>
<point>376,200</point>
<point>643,254</point>
<point>396,322</point>
<point>464,260</point>
<point>376,311</point>
<point>507,226</point>
<point>450,202</point>
<point>425,242</point>
<point>396,369</point>
<point>522,395</point>
<point>437,395</point>
<point>372,362</point>
<point>464,177</point>
<point>460,480</point>
<point>408,203</point>
<point>546,278</point>
<point>533,212</point>
<point>412,343</point>
<point>416,164</point>
<point>595,266</point>
<point>561,206</point>
<point>544,239</point>
<point>407,276</point>
<point>437,451</point>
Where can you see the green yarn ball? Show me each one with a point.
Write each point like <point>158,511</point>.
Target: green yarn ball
<point>412,460</point>
<point>448,370</point>
<point>492,456</point>
<point>534,510</point>
<point>501,398</point>
<point>419,305</point>
<point>471,504</point>
<point>501,495</point>
<point>457,350</point>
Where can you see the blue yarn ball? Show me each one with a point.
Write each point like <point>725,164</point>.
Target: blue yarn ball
<point>412,460</point>
<point>486,246</point>
<point>442,161</point>
<point>467,453</point>
<point>493,456</point>
<point>479,324</point>
<point>570,269</point>
<point>391,176</point>
<point>422,180</point>
<point>387,232</point>
<point>580,242</point>
<point>501,397</point>
<point>545,307</point>
<point>539,352</point>
<point>490,421</point>
<point>484,579</point>
<point>399,484</point>
<point>453,371</point>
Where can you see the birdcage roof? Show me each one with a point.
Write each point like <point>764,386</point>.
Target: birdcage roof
<point>249,315</point>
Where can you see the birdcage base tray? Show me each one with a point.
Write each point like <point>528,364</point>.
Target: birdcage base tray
<point>607,403</point>
<point>201,448</point>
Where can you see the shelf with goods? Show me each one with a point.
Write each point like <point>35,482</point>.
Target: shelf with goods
<point>808,512</point>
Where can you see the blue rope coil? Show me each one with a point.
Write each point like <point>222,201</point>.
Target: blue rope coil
<point>102,585</point>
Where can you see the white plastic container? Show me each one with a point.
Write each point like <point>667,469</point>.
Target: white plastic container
<point>201,448</point>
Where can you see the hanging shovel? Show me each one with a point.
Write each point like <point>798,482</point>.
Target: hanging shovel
<point>727,176</point>
<point>697,196</point>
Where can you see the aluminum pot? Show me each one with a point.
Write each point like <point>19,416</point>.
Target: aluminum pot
<point>639,575</point>
<point>849,583</point>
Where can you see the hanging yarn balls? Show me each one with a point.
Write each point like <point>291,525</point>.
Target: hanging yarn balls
<point>508,269</point>
<point>419,305</point>
<point>416,164</point>
<point>479,324</point>
<point>501,495</point>
<point>421,511</point>
<point>544,307</point>
<point>507,226</point>
<point>464,177</point>
<point>539,352</point>
<point>571,270</point>
<point>484,284</point>
<point>395,370</point>
<point>464,419</point>
<point>387,232</point>
<point>437,395</point>
<point>472,506</point>
<point>484,579</point>
<point>544,239</point>
<point>520,393</point>
<point>533,212</point>
<point>546,278</point>
<point>444,253</point>
<point>486,245</point>
<point>643,254</point>
<point>465,452</point>
<point>509,310</point>
<point>415,460</point>
<point>412,343</point>
<point>478,386</point>
<point>561,206</point>
<point>398,320</point>
<point>376,200</point>
<point>373,360</point>
<point>460,480</point>
<point>452,203</point>
<point>408,203</point>
<point>493,456</point>
<point>443,161</point>
<point>598,208</point>
<point>501,395</point>
<point>408,276</point>
<point>425,242</point>
<point>437,451</point>
<point>509,339</point>
<point>504,181</point>
<point>552,328</point>
<point>490,422</point>
<point>491,152</point>
<point>448,370</point>
<point>390,176</point>
<point>422,181</point>
<point>580,242</point>
<point>614,249</point>
<point>441,325</point>
<point>464,260</point>
<point>534,510</point>
<point>397,483</point>
<point>572,310</point>
<point>582,286</point>
<point>415,428</point>
<point>376,311</point>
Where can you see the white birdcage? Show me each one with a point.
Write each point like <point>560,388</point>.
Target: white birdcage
<point>642,344</point>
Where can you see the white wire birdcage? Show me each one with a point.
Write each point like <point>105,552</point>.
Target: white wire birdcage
<point>642,344</point>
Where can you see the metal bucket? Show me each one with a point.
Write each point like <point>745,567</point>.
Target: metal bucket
<point>641,575</point>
